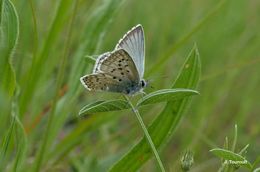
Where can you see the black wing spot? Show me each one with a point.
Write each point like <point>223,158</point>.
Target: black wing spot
<point>126,65</point>
<point>120,68</point>
<point>120,61</point>
<point>119,64</point>
<point>114,77</point>
<point>122,73</point>
<point>127,71</point>
<point>119,80</point>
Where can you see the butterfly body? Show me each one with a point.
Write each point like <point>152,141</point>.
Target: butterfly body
<point>121,70</point>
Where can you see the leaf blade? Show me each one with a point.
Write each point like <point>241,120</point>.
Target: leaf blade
<point>9,33</point>
<point>229,155</point>
<point>166,95</point>
<point>104,106</point>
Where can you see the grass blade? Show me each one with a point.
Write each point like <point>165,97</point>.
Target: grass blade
<point>46,139</point>
<point>43,57</point>
<point>162,61</point>
<point>96,27</point>
<point>9,33</point>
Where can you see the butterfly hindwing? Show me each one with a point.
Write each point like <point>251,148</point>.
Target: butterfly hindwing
<point>104,82</point>
<point>133,42</point>
<point>120,65</point>
<point>99,60</point>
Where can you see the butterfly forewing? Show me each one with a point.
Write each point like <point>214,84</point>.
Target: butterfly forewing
<point>133,42</point>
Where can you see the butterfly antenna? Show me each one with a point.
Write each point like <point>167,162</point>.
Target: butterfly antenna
<point>91,58</point>
<point>159,76</point>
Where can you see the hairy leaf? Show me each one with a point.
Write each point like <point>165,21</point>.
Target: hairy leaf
<point>229,155</point>
<point>166,95</point>
<point>104,106</point>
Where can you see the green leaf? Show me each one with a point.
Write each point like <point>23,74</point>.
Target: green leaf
<point>229,155</point>
<point>166,122</point>
<point>166,95</point>
<point>9,32</point>
<point>5,144</point>
<point>104,106</point>
<point>154,97</point>
<point>257,161</point>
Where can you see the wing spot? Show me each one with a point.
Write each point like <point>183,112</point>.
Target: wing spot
<point>119,80</point>
<point>114,77</point>
<point>126,65</point>
<point>127,71</point>
<point>120,68</point>
<point>122,73</point>
<point>119,64</point>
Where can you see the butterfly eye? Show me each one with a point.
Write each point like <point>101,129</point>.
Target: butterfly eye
<point>143,83</point>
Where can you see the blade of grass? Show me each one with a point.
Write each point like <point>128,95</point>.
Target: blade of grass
<point>97,26</point>
<point>41,153</point>
<point>21,137</point>
<point>164,59</point>
<point>5,145</point>
<point>9,33</point>
<point>42,59</point>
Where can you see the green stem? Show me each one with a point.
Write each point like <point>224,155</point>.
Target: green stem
<point>147,135</point>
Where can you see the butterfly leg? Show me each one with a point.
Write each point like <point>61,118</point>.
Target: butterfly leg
<point>143,93</point>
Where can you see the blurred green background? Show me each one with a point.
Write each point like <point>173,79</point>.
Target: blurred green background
<point>50,57</point>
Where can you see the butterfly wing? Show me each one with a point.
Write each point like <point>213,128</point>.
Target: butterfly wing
<point>99,60</point>
<point>133,42</point>
<point>120,65</point>
<point>115,72</point>
<point>101,82</point>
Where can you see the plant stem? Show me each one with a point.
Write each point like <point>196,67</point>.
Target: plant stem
<point>147,135</point>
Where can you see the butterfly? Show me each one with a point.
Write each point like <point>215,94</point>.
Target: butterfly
<point>121,70</point>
